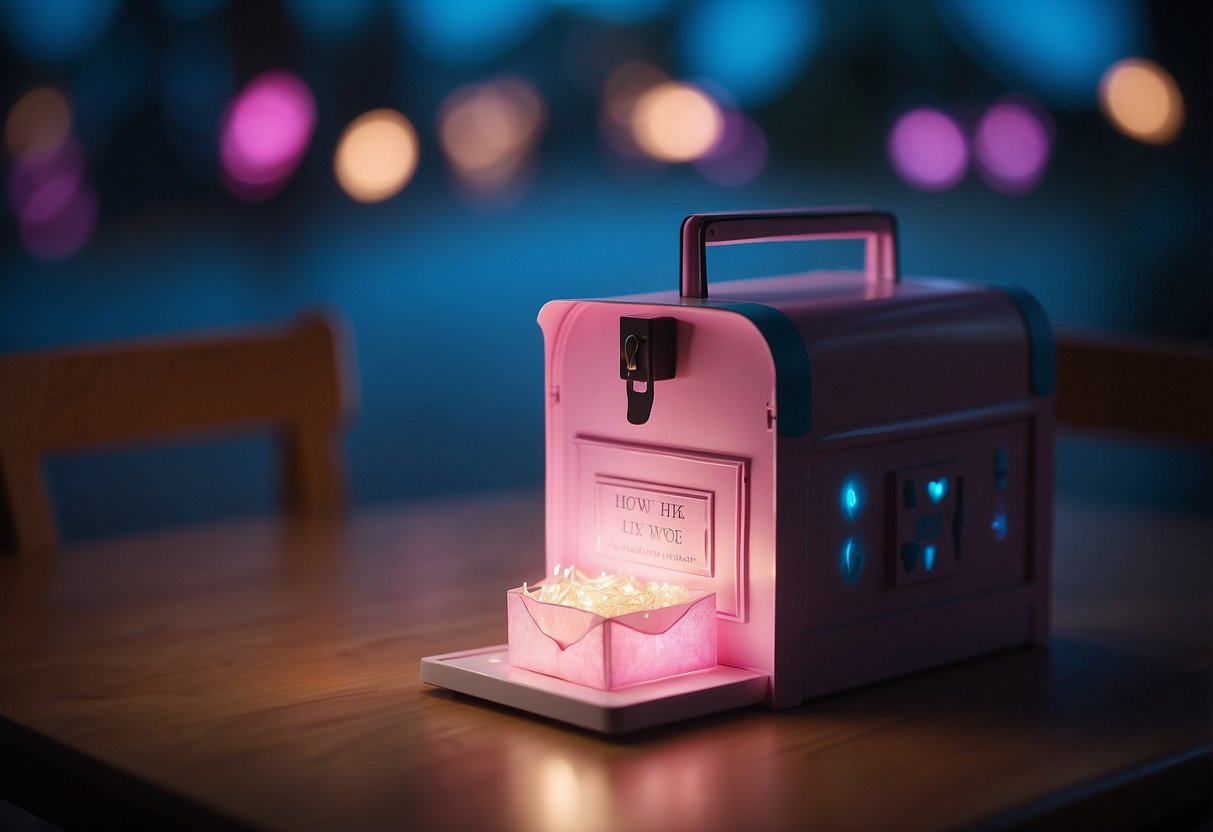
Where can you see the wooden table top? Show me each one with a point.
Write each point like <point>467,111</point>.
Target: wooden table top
<point>264,672</point>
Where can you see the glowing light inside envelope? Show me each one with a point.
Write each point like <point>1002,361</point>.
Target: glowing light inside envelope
<point>606,595</point>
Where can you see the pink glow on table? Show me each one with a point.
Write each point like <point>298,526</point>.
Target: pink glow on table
<point>1012,146</point>
<point>927,149</point>
<point>265,133</point>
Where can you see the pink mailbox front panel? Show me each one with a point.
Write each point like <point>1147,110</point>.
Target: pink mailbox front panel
<point>687,497</point>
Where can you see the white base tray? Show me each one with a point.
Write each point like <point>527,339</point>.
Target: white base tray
<point>486,673</point>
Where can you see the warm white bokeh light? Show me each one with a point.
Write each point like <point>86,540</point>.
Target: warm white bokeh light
<point>376,156</point>
<point>675,122</point>
<point>489,131</point>
<point>1142,100</point>
<point>39,122</point>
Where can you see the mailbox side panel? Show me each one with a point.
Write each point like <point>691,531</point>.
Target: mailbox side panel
<point>904,581</point>
<point>927,481</point>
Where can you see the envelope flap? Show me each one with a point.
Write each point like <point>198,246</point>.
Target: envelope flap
<point>563,625</point>
<point>657,621</point>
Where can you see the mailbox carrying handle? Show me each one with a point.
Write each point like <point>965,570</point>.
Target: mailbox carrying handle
<point>699,231</point>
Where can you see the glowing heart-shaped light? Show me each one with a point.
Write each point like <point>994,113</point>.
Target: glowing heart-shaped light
<point>936,489</point>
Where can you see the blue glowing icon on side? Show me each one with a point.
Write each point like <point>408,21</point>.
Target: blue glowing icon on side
<point>937,490</point>
<point>928,556</point>
<point>851,498</point>
<point>999,524</point>
<point>850,560</point>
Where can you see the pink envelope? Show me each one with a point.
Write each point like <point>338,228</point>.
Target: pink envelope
<point>608,653</point>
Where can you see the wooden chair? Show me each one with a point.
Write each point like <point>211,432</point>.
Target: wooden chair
<point>287,378</point>
<point>1136,385</point>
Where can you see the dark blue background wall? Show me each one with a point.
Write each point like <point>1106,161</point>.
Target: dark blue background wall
<point>441,293</point>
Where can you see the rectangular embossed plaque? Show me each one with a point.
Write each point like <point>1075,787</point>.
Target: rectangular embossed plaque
<point>643,523</point>
<point>666,514</point>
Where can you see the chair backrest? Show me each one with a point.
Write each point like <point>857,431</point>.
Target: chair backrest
<point>1138,385</point>
<point>286,378</point>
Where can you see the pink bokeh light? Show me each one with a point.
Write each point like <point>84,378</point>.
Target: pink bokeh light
<point>265,133</point>
<point>928,150</point>
<point>1012,145</point>
<point>741,154</point>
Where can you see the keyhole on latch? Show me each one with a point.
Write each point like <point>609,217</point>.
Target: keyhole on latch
<point>646,356</point>
<point>631,346</point>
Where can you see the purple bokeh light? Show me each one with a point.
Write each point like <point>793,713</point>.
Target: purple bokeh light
<point>37,176</point>
<point>265,133</point>
<point>59,235</point>
<point>55,204</point>
<point>928,150</point>
<point>1012,145</point>
<point>740,155</point>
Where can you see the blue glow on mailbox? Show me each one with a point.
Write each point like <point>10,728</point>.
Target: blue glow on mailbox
<point>928,557</point>
<point>999,525</point>
<point>851,498</point>
<point>850,560</point>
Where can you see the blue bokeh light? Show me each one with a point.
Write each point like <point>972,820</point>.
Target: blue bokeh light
<point>57,31</point>
<point>330,19</point>
<point>928,556</point>
<point>754,50</point>
<point>617,11</point>
<point>1057,49</point>
<point>468,32</point>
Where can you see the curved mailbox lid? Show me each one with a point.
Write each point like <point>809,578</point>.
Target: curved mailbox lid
<point>1042,348</point>
<point>776,313</point>
<point>793,371</point>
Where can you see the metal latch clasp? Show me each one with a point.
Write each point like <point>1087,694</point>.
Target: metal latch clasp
<point>646,355</point>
